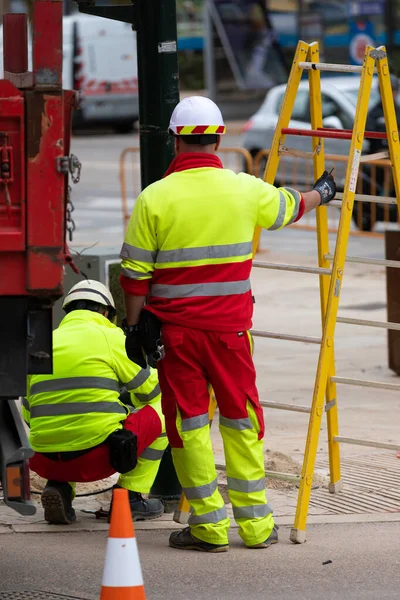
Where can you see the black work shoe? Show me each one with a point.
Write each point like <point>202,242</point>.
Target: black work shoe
<point>184,540</point>
<point>57,503</point>
<point>142,509</point>
<point>272,539</point>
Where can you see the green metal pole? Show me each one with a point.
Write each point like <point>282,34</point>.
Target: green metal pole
<point>158,96</point>
<point>158,84</point>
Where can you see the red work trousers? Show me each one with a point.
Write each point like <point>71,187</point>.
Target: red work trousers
<point>195,358</point>
<point>95,464</point>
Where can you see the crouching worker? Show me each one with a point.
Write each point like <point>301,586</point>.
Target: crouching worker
<point>80,428</point>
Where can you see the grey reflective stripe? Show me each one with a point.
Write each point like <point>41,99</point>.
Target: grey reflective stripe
<point>252,512</point>
<point>136,274</point>
<point>215,516</point>
<point>220,288</point>
<point>152,454</point>
<point>147,397</point>
<point>139,254</point>
<point>195,422</point>
<point>76,408</point>
<point>239,424</point>
<point>163,434</point>
<point>74,383</point>
<point>281,213</point>
<point>204,252</point>
<point>243,485</point>
<point>25,403</point>
<point>201,491</point>
<point>297,198</point>
<point>138,380</point>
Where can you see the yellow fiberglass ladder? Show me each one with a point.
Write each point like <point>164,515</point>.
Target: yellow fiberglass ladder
<point>330,278</point>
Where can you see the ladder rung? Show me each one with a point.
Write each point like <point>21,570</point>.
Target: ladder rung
<point>372,444</point>
<point>286,336</point>
<point>362,260</point>
<point>294,268</point>
<point>328,132</point>
<point>394,387</point>
<point>366,323</point>
<point>290,407</point>
<point>271,474</point>
<point>331,67</point>
<point>366,198</point>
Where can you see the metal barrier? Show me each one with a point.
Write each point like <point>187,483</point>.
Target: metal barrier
<point>236,159</point>
<point>375,182</point>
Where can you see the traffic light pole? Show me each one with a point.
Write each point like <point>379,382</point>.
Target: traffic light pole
<point>158,84</point>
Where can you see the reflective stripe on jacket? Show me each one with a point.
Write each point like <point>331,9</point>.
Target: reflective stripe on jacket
<point>189,245</point>
<point>78,406</point>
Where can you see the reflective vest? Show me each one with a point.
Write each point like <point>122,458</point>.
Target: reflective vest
<point>189,245</point>
<point>78,406</point>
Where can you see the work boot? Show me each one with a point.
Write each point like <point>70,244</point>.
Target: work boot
<point>142,509</point>
<point>171,503</point>
<point>185,540</point>
<point>57,503</point>
<point>272,539</point>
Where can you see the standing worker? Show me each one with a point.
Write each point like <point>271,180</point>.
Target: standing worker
<point>188,248</point>
<point>79,428</point>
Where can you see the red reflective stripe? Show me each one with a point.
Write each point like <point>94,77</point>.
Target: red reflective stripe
<point>211,313</point>
<point>221,129</point>
<point>179,128</point>
<point>133,286</point>
<point>203,274</point>
<point>199,129</point>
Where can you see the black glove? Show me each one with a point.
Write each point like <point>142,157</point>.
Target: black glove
<point>133,344</point>
<point>326,187</point>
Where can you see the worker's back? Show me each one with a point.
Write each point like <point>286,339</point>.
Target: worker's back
<point>78,406</point>
<point>195,228</point>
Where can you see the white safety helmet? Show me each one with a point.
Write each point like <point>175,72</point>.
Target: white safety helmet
<point>94,291</point>
<point>197,115</point>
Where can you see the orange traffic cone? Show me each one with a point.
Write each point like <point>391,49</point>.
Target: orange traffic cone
<point>122,576</point>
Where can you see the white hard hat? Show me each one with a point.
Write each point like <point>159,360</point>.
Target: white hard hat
<point>90,289</point>
<point>197,115</point>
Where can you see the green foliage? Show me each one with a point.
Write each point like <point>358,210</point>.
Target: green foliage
<point>191,73</point>
<point>115,288</point>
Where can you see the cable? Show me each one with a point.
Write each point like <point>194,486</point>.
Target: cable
<point>81,495</point>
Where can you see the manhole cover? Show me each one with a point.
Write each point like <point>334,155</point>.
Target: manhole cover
<point>35,595</point>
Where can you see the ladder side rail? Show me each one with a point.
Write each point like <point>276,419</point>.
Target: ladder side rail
<point>298,533</point>
<point>335,483</point>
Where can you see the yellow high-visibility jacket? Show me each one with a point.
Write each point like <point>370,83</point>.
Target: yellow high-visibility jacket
<point>78,406</point>
<point>189,245</point>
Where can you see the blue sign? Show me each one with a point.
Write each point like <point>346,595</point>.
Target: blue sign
<point>361,34</point>
<point>367,8</point>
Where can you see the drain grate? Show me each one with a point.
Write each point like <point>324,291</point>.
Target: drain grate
<point>371,485</point>
<point>35,595</point>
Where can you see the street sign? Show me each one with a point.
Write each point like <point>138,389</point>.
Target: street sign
<point>361,35</point>
<point>367,8</point>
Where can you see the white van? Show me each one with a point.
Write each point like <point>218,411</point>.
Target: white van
<point>100,62</point>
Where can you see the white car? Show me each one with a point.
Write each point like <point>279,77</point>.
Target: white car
<point>339,99</point>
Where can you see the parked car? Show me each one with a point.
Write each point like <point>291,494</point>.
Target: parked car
<point>100,62</point>
<point>339,99</point>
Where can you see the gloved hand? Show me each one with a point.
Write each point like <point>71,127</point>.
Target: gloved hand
<point>133,344</point>
<point>326,187</point>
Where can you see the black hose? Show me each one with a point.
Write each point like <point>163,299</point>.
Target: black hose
<point>81,495</point>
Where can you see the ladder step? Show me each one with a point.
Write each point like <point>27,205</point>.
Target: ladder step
<point>271,474</point>
<point>370,443</point>
<point>367,323</point>
<point>290,407</point>
<point>366,198</point>
<point>363,260</point>
<point>394,387</point>
<point>324,132</point>
<point>294,268</point>
<point>285,336</point>
<point>331,67</point>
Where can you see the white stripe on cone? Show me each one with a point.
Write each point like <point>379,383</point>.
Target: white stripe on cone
<point>122,566</point>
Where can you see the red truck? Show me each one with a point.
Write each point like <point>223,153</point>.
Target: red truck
<point>35,133</point>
